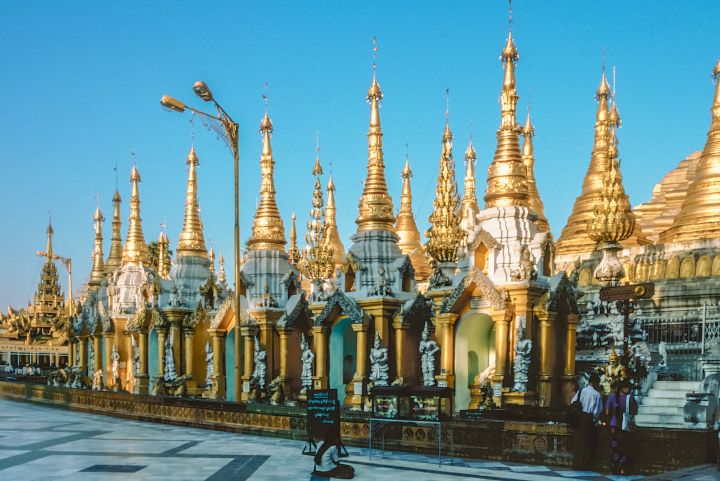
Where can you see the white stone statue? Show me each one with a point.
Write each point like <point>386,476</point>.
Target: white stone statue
<point>307,357</point>
<point>379,368</point>
<point>209,367</point>
<point>521,367</point>
<point>428,350</point>
<point>136,359</point>
<point>115,356</point>
<point>91,356</point>
<point>170,374</point>
<point>662,349</point>
<point>97,380</point>
<point>259,373</point>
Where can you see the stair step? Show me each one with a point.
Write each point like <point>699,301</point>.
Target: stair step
<point>661,425</point>
<point>663,393</point>
<point>670,410</point>
<point>662,419</point>
<point>687,386</point>
<point>661,401</point>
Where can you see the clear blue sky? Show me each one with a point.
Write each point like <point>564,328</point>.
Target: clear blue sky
<point>81,85</point>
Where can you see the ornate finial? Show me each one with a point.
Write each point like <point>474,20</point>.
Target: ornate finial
<point>116,175</point>
<point>268,232</point>
<point>266,98</point>
<point>613,219</point>
<point>375,206</point>
<point>447,135</point>
<point>163,260</point>
<point>374,54</point>
<point>574,237</point>
<point>136,250</point>
<point>333,235</point>
<point>192,239</point>
<point>293,252</point>
<point>510,15</point>
<point>97,273</point>
<point>317,262</point>
<point>469,207</point>
<point>406,228</point>
<point>445,233</point>
<point>506,182</point>
<point>114,259</point>
<point>211,257</point>
<point>317,169</point>
<point>528,157</point>
<point>222,279</point>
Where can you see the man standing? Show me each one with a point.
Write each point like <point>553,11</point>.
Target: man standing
<point>591,406</point>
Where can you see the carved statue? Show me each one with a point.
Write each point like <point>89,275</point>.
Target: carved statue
<point>97,380</point>
<point>612,372</point>
<point>379,369</point>
<point>437,277</point>
<point>428,350</point>
<point>91,356</point>
<point>115,356</point>
<point>170,374</point>
<point>526,270</point>
<point>663,363</point>
<point>307,357</point>
<point>267,299</point>
<point>260,370</point>
<point>277,392</point>
<point>136,359</point>
<point>521,367</point>
<point>381,286</point>
<point>209,366</point>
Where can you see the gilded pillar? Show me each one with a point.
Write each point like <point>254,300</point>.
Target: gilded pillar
<point>446,321</point>
<point>238,349</point>
<point>547,359</point>
<point>142,379</point>
<point>502,333</point>
<point>188,335</point>
<point>320,346</point>
<point>109,339</point>
<point>175,335</point>
<point>248,332</point>
<point>161,336</point>
<point>218,390</point>
<point>71,353</point>
<point>569,367</point>
<point>83,356</point>
<point>356,394</point>
<point>400,338</point>
<point>284,334</point>
<point>266,320</point>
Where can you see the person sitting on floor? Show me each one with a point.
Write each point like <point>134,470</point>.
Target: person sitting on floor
<point>327,461</point>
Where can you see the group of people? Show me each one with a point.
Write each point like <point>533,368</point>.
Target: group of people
<point>616,413</point>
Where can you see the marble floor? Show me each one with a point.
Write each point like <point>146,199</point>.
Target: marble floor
<point>45,443</point>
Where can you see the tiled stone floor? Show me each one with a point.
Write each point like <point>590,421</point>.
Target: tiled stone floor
<point>45,443</point>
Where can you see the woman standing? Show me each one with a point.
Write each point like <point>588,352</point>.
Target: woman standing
<point>619,409</point>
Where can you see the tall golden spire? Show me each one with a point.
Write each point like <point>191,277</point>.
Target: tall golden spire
<point>192,240</point>
<point>97,274</point>
<point>268,232</point>
<point>528,156</point>
<point>409,236</point>
<point>136,250</point>
<point>114,259</point>
<point>506,181</point>
<point>317,262</point>
<point>333,236</point>
<point>699,217</point>
<point>221,274</point>
<point>375,207</point>
<point>445,233</point>
<point>469,207</point>
<point>163,256</point>
<point>574,237</point>
<point>612,219</point>
<point>293,252</point>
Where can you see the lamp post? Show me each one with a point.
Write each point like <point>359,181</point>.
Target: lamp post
<point>227,129</point>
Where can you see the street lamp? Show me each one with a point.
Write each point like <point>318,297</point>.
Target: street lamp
<point>227,130</point>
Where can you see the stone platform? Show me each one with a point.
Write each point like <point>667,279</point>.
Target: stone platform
<point>658,450</point>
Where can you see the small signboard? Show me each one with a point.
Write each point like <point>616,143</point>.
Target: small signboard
<point>323,412</point>
<point>627,292</point>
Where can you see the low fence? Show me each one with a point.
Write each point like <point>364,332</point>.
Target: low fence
<point>499,440</point>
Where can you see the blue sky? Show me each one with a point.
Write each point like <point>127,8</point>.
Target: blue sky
<point>82,81</point>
